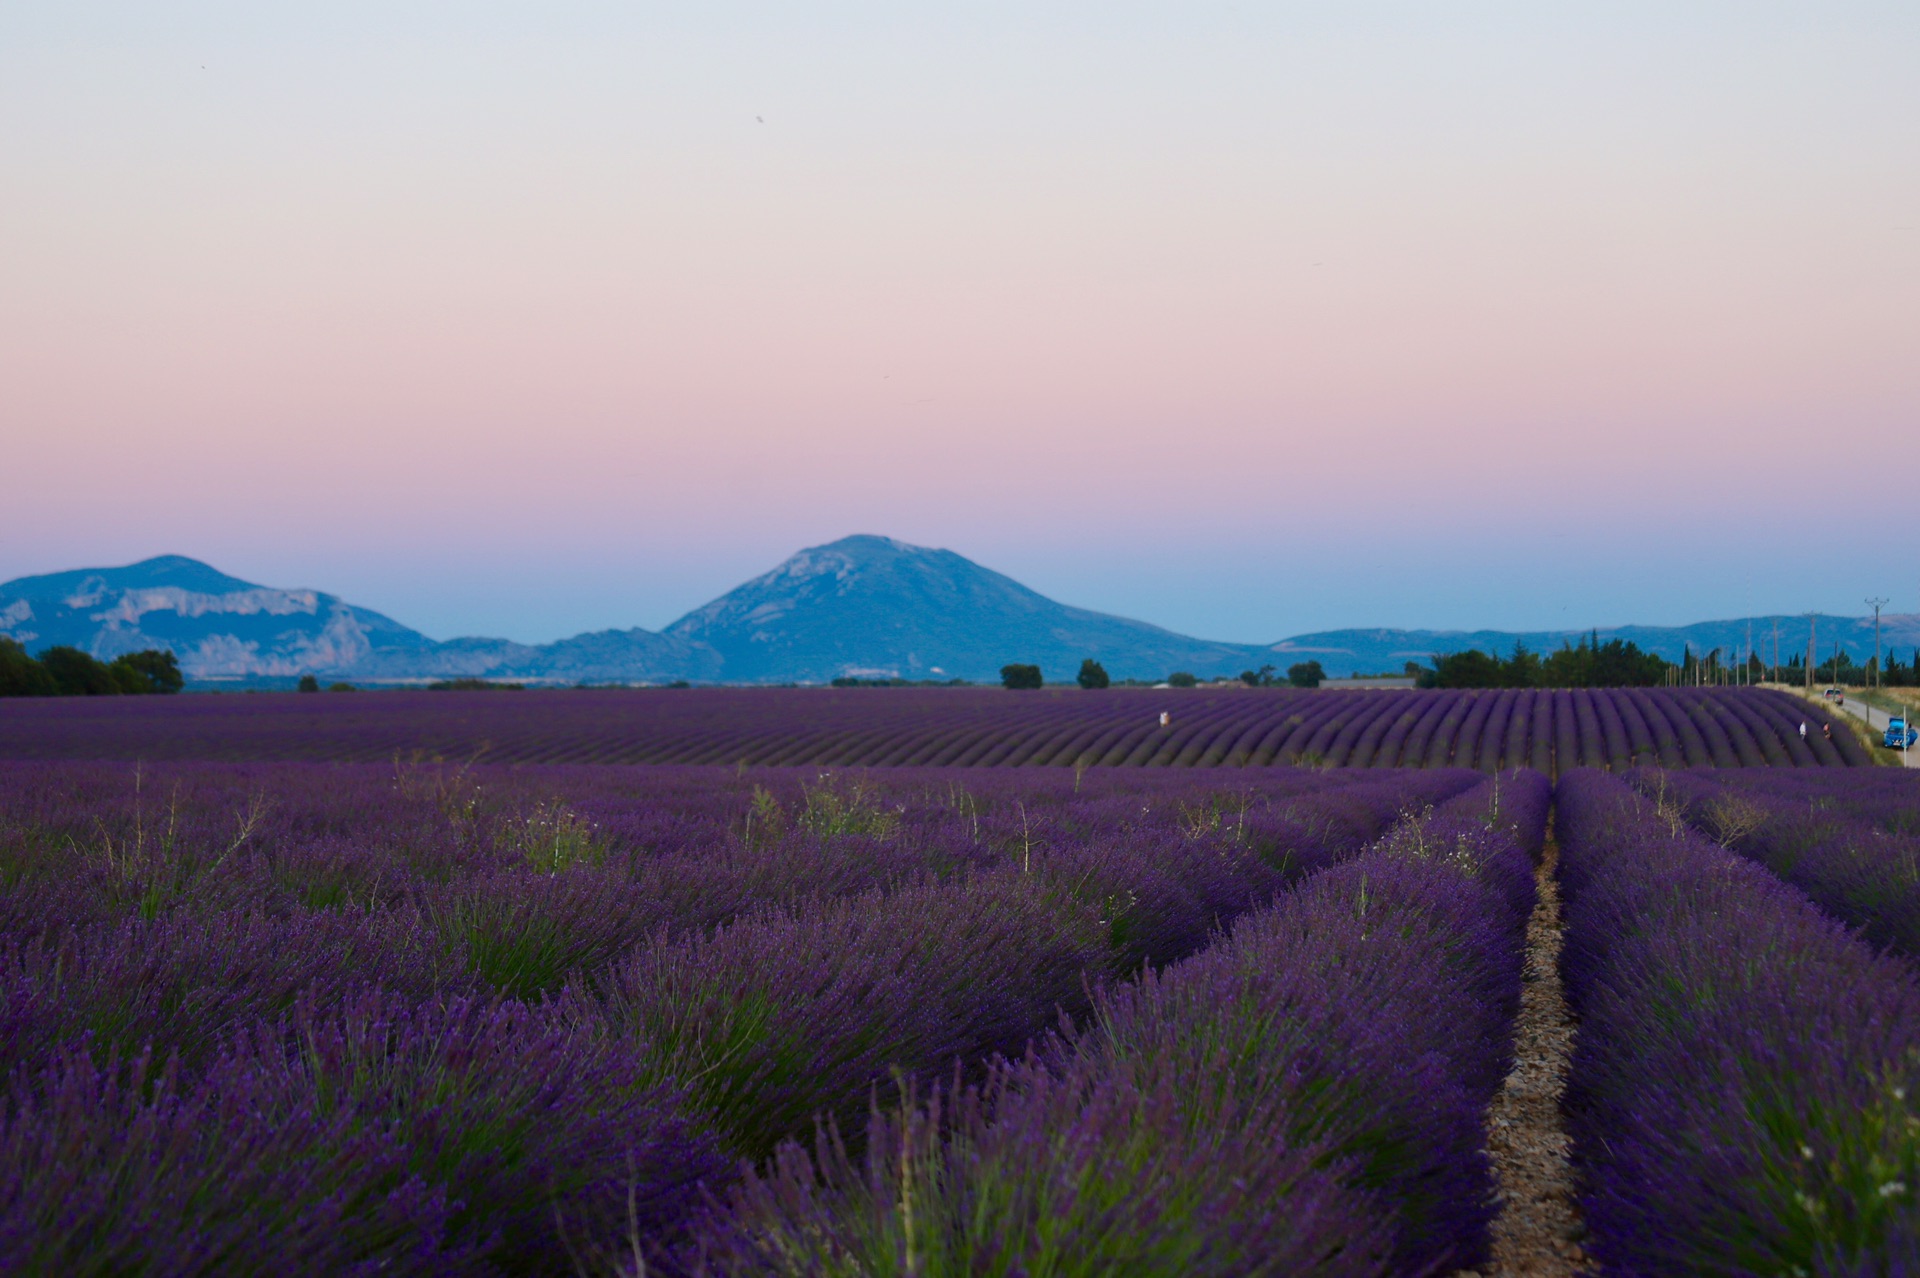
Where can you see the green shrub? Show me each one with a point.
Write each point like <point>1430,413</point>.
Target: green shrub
<point>1305,674</point>
<point>77,674</point>
<point>149,671</point>
<point>20,674</point>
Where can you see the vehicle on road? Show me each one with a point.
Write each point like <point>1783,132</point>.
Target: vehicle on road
<point>1900,735</point>
<point>1834,694</point>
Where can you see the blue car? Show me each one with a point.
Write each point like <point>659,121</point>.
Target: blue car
<point>1900,736</point>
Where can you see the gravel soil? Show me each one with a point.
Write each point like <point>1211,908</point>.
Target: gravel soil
<point>1538,1230</point>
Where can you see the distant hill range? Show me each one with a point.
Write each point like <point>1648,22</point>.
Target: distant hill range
<point>867,607</point>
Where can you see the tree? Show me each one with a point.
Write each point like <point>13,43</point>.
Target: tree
<point>1093,674</point>
<point>1181,679</point>
<point>309,684</point>
<point>1019,676</point>
<point>1522,668</point>
<point>76,674</point>
<point>20,674</point>
<point>151,671</point>
<point>1261,678</point>
<point>1305,674</point>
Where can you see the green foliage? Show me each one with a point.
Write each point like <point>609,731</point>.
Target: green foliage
<point>1181,679</point>
<point>1019,676</point>
<point>148,868</point>
<point>1093,674</point>
<point>831,812</point>
<point>20,674</point>
<point>1592,664</point>
<point>1261,678</point>
<point>341,687</point>
<point>1837,1182</point>
<point>1305,674</point>
<point>508,941</point>
<point>766,822</point>
<point>150,671</point>
<point>473,685</point>
<point>69,672</point>
<point>76,674</point>
<point>309,684</point>
<point>552,838</point>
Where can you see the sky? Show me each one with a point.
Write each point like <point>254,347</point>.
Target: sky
<point>1245,319</point>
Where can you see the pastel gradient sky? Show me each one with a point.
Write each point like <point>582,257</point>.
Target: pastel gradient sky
<point>1246,319</point>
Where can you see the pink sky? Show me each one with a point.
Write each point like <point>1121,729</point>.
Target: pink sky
<point>1239,321</point>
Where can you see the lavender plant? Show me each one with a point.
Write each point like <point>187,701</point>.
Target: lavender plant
<point>942,727</point>
<point>1304,1096</point>
<point>1854,849</point>
<point>1739,1100</point>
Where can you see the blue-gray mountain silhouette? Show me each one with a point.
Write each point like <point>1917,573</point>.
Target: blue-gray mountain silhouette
<point>862,606</point>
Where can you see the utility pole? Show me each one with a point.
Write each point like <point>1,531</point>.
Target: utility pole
<point>1776,650</point>
<point>1876,605</point>
<point>1810,630</point>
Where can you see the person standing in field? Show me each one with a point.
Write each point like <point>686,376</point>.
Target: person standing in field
<point>1803,732</point>
<point>1165,718</point>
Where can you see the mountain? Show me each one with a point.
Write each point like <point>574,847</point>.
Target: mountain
<point>863,606</point>
<point>223,628</point>
<point>219,626</point>
<point>874,607</point>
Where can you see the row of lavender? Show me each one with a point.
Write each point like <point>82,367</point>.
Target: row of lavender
<point>1307,1096</point>
<point>431,1020</point>
<point>1854,848</point>
<point>1546,730</point>
<point>1742,1097</point>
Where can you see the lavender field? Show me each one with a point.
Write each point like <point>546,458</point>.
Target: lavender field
<point>425,1019</point>
<point>419,1016</point>
<point>1546,730</point>
<point>1743,1093</point>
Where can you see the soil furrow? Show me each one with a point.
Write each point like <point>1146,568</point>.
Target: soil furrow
<point>1538,1231</point>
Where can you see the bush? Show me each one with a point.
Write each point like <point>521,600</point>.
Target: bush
<point>1018,676</point>
<point>1093,674</point>
<point>149,671</point>
<point>69,672</point>
<point>309,684</point>
<point>20,674</point>
<point>1181,679</point>
<point>76,674</point>
<point>1305,674</point>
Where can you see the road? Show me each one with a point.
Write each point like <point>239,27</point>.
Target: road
<point>1877,721</point>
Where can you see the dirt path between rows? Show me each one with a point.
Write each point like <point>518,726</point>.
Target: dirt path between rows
<point>1538,1231</point>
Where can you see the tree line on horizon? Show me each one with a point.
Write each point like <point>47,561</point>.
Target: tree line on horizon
<point>61,671</point>
<point>1623,664</point>
<point>1841,668</point>
<point>1617,663</point>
